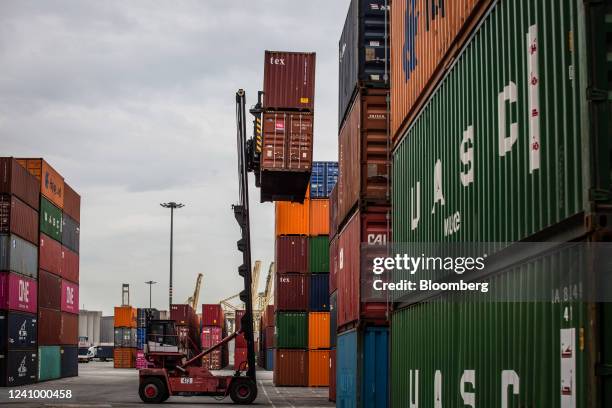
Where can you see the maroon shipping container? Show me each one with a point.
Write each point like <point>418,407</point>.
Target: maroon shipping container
<point>289,80</point>
<point>50,255</point>
<point>211,335</point>
<point>182,314</point>
<point>72,203</point>
<point>18,218</point>
<point>372,228</point>
<point>240,342</point>
<point>212,315</point>
<point>291,254</point>
<point>69,329</point>
<point>332,375</point>
<point>333,265</point>
<point>49,326</point>
<point>333,212</point>
<point>291,292</point>
<point>268,317</point>
<point>287,141</point>
<point>15,179</point>
<point>270,338</point>
<point>70,297</point>
<point>50,294</point>
<point>364,149</point>
<point>238,319</point>
<point>69,265</point>
<point>290,368</point>
<point>240,357</point>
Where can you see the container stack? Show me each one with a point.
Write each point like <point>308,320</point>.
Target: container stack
<point>143,315</point>
<point>213,331</point>
<point>19,205</point>
<point>124,353</point>
<point>187,327</point>
<point>58,264</point>
<point>287,125</point>
<point>267,338</point>
<point>360,205</point>
<point>240,345</point>
<point>302,284</point>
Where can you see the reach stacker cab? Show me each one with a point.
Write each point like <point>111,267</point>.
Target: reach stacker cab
<point>173,372</point>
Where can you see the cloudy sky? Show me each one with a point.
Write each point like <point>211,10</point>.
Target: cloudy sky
<point>133,102</point>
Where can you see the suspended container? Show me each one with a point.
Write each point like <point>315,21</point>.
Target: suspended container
<point>289,80</point>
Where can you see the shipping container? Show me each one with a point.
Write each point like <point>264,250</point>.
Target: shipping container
<point>211,335</point>
<point>292,330</point>
<point>291,292</point>
<point>289,80</point>
<point>270,339</point>
<point>333,264</point>
<point>347,370</point>
<point>318,368</point>
<point>318,249</point>
<point>364,153</point>
<point>124,357</point>
<point>107,329</point>
<point>141,337</point>
<point>240,359</point>
<point>49,326</point>
<point>141,316</point>
<point>125,316</point>
<point>333,319</point>
<point>70,297</point>
<point>16,180</point>
<point>318,330</point>
<point>270,359</point>
<point>368,228</point>
<point>213,360</point>
<point>69,265</point>
<point>69,329</point>
<point>18,293</point>
<point>16,217</point>
<point>125,337</point>
<point>69,361</point>
<point>70,233</point>
<point>50,255</point>
<point>18,367</point>
<point>18,330</point>
<point>318,300</point>
<point>287,142</point>
<point>319,217</point>
<point>18,255</point>
<point>333,212</point>
<point>51,296</point>
<point>49,363</point>
<point>212,315</point>
<point>72,203</point>
<point>363,50</point>
<point>332,375</point>
<point>50,219</point>
<point>291,218</point>
<point>290,368</point>
<point>375,368</point>
<point>323,178</point>
<point>238,314</point>
<point>51,182</point>
<point>425,39</point>
<point>291,254</point>
<point>269,316</point>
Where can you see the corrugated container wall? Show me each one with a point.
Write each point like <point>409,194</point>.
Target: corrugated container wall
<point>363,50</point>
<point>332,375</point>
<point>292,330</point>
<point>290,368</point>
<point>424,39</point>
<point>18,330</point>
<point>49,363</point>
<point>291,254</point>
<point>318,330</point>
<point>333,212</point>
<point>319,217</point>
<point>18,255</point>
<point>292,218</point>
<point>318,368</point>
<point>125,316</point>
<point>333,265</point>
<point>51,182</point>
<point>15,179</point>
<point>51,296</point>
<point>18,218</point>
<point>346,370</point>
<point>212,315</point>
<point>50,254</point>
<point>318,301</point>
<point>287,141</point>
<point>69,328</point>
<point>323,178</point>
<point>289,80</point>
<point>49,324</point>
<point>18,367</point>
<point>72,203</point>
<point>70,265</point>
<point>50,219</point>
<point>18,292</point>
<point>333,319</point>
<point>318,248</point>
<point>291,292</point>
<point>71,232</point>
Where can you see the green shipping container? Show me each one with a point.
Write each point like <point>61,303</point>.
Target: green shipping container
<point>291,330</point>
<point>50,219</point>
<point>517,136</point>
<point>319,254</point>
<point>49,363</point>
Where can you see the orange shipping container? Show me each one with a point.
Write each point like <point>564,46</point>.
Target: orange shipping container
<point>424,40</point>
<point>51,182</point>
<point>292,218</point>
<point>124,357</point>
<point>319,217</point>
<point>318,368</point>
<point>318,330</point>
<point>125,316</point>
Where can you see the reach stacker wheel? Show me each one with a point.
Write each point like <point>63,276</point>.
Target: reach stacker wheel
<point>153,391</point>
<point>243,390</point>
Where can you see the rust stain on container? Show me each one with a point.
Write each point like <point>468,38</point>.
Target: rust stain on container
<point>291,292</point>
<point>292,218</point>
<point>318,330</point>
<point>51,182</point>
<point>290,368</point>
<point>291,254</point>
<point>319,217</point>
<point>18,218</point>
<point>15,179</point>
<point>318,368</point>
<point>289,80</point>
<point>287,141</point>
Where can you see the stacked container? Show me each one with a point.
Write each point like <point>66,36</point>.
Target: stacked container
<point>360,204</point>
<point>58,263</point>
<point>125,324</point>
<point>268,338</point>
<point>19,204</point>
<point>213,331</point>
<point>188,328</point>
<point>287,125</point>
<point>141,333</point>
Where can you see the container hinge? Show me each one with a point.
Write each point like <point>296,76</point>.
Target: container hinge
<point>599,194</point>
<point>603,370</point>
<point>596,94</point>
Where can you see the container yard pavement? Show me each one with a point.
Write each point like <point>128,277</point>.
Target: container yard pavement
<point>99,385</point>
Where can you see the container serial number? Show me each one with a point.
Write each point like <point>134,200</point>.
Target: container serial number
<point>40,394</point>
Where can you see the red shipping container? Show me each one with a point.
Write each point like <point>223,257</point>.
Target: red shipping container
<point>240,341</point>
<point>15,179</point>
<point>211,335</point>
<point>238,319</point>
<point>270,338</point>
<point>287,141</point>
<point>182,314</point>
<point>69,329</point>
<point>333,212</point>
<point>333,265</point>
<point>18,218</point>
<point>366,228</point>
<point>291,292</point>
<point>290,368</point>
<point>268,317</point>
<point>240,357</point>
<point>70,297</point>
<point>332,375</point>
<point>49,326</point>
<point>70,265</point>
<point>212,315</point>
<point>291,254</point>
<point>50,295</point>
<point>289,80</point>
<point>18,292</point>
<point>72,203</point>
<point>50,255</point>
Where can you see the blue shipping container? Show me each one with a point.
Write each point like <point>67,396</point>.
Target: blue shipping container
<point>346,370</point>
<point>270,359</point>
<point>141,336</point>
<point>319,292</point>
<point>323,179</point>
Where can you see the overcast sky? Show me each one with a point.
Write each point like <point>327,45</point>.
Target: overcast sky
<point>133,102</point>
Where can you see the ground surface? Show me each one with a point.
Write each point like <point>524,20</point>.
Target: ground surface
<point>99,385</point>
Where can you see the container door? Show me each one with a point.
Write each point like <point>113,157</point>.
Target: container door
<point>346,370</point>
<point>375,367</point>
